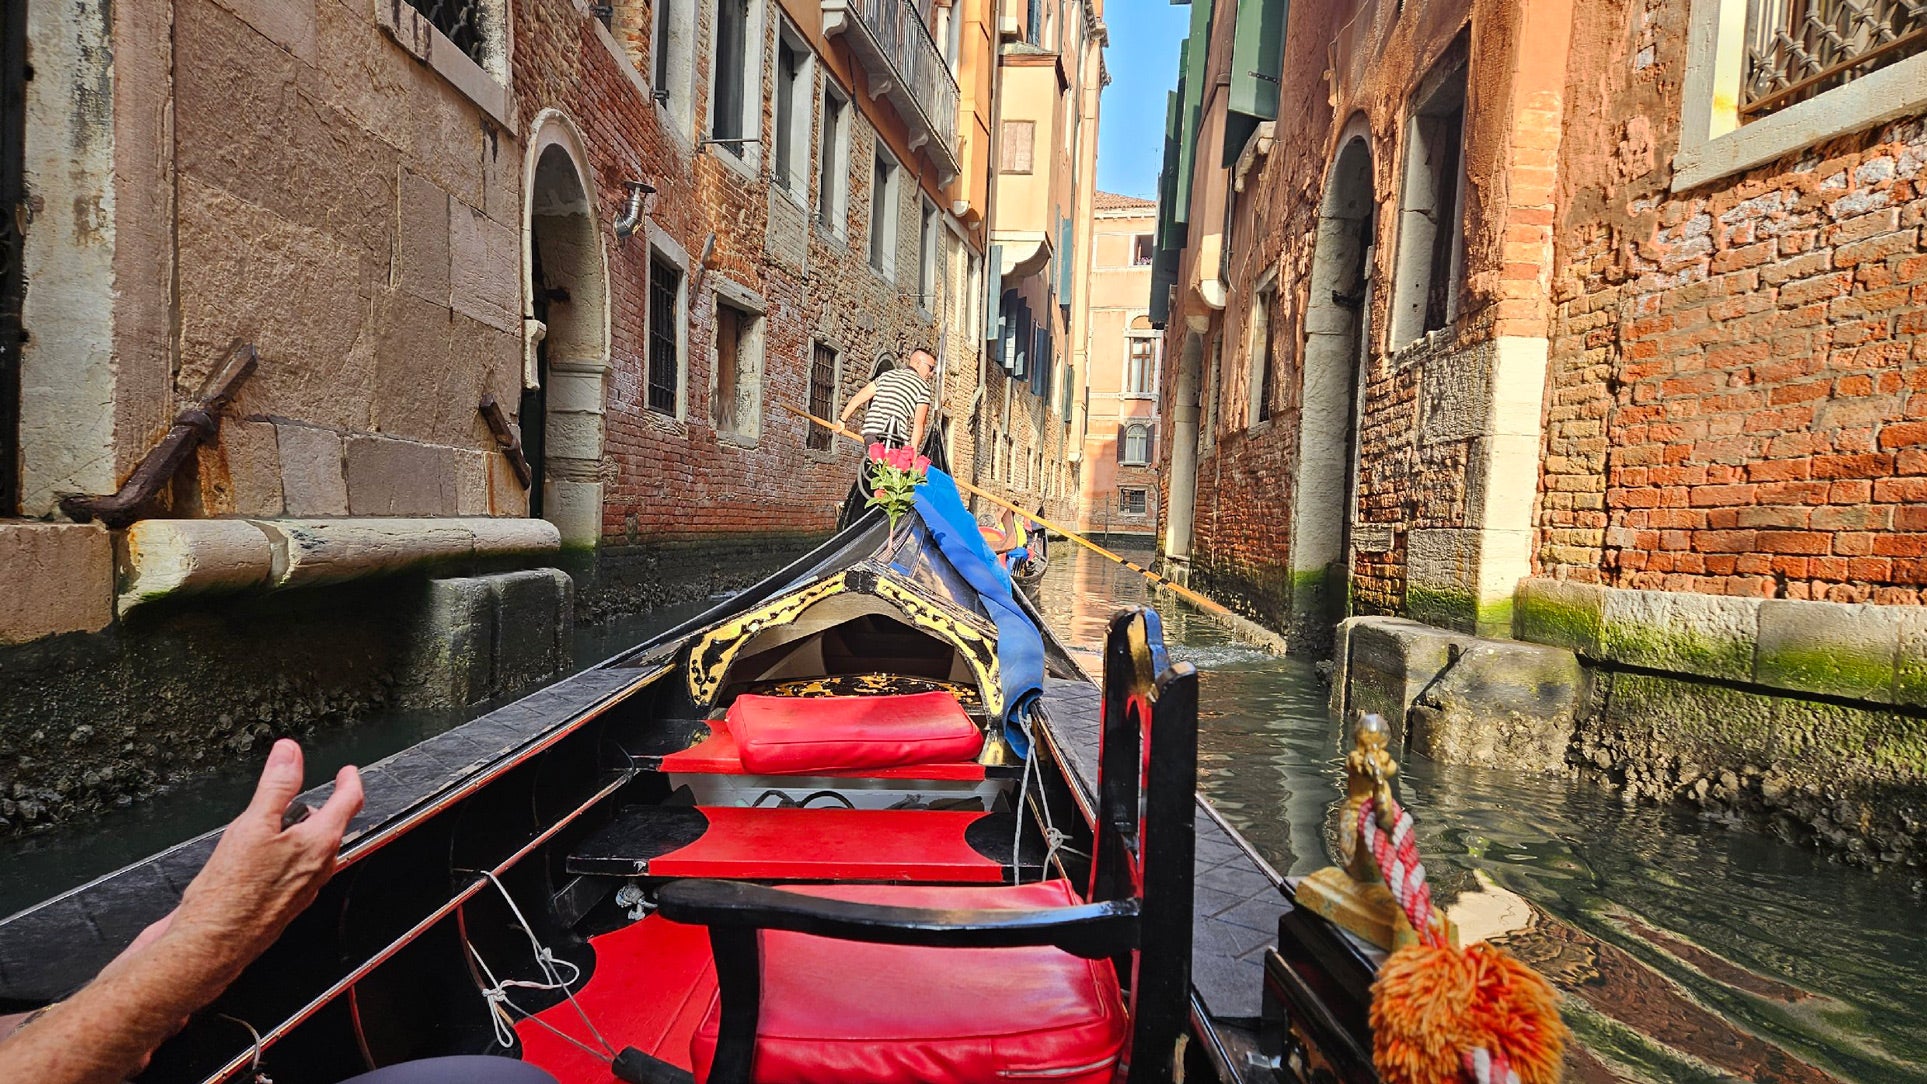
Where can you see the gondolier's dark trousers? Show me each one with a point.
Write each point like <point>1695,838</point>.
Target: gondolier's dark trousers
<point>468,1069</point>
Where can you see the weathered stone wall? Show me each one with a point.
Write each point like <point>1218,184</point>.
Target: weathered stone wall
<point>94,720</point>
<point>351,211</point>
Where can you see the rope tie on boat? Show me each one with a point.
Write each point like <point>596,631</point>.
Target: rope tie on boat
<point>496,992</point>
<point>1054,840</point>
<point>1445,1015</point>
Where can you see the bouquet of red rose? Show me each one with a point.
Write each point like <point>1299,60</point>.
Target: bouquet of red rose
<point>895,474</point>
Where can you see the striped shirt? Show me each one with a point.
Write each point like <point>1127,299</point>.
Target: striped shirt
<point>893,408</point>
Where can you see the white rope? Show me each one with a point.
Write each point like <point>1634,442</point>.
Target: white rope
<point>496,992</point>
<point>1055,841</point>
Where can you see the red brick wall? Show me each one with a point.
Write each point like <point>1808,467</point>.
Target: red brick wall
<point>1736,403</point>
<point>678,481</point>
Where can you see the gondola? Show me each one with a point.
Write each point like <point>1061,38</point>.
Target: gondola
<point>859,756</point>
<point>867,821</point>
<point>1028,575</point>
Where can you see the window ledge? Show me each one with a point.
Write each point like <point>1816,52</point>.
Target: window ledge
<point>1891,93</point>
<point>669,422</point>
<point>737,440</point>
<point>418,37</point>
<point>741,164</point>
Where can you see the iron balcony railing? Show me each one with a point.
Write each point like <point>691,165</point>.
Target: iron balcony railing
<point>923,88</point>
<point>1799,48</point>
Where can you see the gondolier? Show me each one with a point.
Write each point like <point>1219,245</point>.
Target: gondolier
<point>898,402</point>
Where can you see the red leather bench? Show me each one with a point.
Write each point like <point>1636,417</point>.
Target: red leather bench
<point>911,736</point>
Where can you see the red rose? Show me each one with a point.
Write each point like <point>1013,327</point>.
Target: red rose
<point>923,464</point>
<point>876,453</point>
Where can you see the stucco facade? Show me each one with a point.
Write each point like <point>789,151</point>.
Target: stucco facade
<point>1120,492</point>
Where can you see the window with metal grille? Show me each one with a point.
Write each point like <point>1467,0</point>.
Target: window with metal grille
<point>1131,502</point>
<point>665,355</point>
<point>1139,364</point>
<point>1799,48</point>
<point>822,394</point>
<point>460,21</point>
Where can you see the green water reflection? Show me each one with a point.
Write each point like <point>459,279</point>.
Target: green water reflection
<point>1737,957</point>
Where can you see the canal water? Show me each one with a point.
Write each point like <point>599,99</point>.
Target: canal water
<point>1688,951</point>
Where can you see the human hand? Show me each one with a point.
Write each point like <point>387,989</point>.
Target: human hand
<point>261,875</point>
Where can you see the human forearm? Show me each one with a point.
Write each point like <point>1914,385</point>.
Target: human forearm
<point>107,1031</point>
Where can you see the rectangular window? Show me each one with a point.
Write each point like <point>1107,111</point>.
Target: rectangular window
<point>665,349</point>
<point>927,259</point>
<point>1139,365</point>
<point>883,214</point>
<point>1142,249</point>
<point>1260,371</point>
<point>1131,502</point>
<point>729,76</point>
<point>1431,244</point>
<point>737,405</point>
<point>833,162</point>
<point>822,395</point>
<point>660,49</point>
<point>1019,138</point>
<point>460,21</point>
<point>792,113</point>
<point>13,192</point>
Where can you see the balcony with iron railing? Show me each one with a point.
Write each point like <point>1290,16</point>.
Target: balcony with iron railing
<point>893,43</point>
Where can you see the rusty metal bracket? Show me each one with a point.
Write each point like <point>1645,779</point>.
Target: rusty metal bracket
<point>193,425</point>
<point>508,438</point>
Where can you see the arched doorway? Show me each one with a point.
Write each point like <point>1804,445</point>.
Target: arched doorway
<point>1337,340</point>
<point>566,294</point>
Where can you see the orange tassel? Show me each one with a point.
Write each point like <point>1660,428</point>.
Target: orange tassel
<point>1430,1005</point>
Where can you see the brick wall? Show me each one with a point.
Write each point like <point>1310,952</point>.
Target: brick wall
<point>1737,403</point>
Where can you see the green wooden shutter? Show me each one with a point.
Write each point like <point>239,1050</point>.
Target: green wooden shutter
<point>1191,85</point>
<point>1257,64</point>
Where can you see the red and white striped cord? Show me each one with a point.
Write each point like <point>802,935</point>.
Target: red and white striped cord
<point>1398,862</point>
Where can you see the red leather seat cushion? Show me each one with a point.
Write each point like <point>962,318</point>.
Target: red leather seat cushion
<point>840,1012</point>
<point>789,735</point>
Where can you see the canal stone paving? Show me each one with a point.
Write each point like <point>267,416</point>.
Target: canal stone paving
<point>1236,902</point>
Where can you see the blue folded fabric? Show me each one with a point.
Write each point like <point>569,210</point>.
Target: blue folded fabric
<point>1020,646</point>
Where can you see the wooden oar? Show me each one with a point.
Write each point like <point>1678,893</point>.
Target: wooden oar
<point>1178,589</point>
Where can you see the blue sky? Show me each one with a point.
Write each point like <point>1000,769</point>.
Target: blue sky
<point>1143,60</point>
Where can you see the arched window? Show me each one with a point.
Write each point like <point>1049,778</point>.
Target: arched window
<point>1134,446</point>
